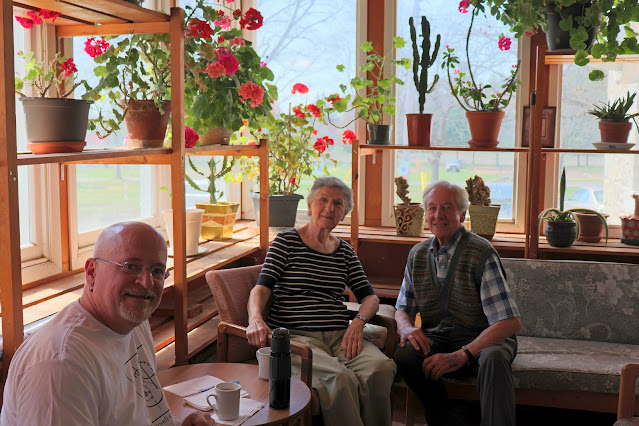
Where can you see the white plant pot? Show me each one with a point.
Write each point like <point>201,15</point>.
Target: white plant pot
<point>193,229</point>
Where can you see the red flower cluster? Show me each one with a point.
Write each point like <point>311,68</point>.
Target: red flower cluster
<point>299,87</point>
<point>504,43</point>
<point>333,99</point>
<point>36,18</point>
<point>214,69</point>
<point>69,67</point>
<point>228,62</point>
<point>190,137</point>
<point>200,28</point>
<point>463,6</point>
<point>322,143</point>
<point>298,112</point>
<point>251,20</point>
<point>348,137</point>
<point>313,109</point>
<point>95,47</point>
<point>237,41</point>
<point>253,92</point>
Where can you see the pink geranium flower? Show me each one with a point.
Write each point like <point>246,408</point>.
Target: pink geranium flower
<point>190,137</point>
<point>95,47</point>
<point>504,43</point>
<point>463,6</point>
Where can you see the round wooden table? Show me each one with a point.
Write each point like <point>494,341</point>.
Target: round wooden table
<point>299,412</point>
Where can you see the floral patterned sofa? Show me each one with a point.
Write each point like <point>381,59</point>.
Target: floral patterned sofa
<point>580,327</point>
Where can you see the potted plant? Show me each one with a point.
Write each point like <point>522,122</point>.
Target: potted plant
<point>225,79</point>
<point>573,25</point>
<point>373,96</point>
<point>630,225</point>
<point>135,78</point>
<point>484,113</point>
<point>483,214</point>
<point>54,122</point>
<point>295,149</point>
<point>409,217</point>
<point>563,226</point>
<point>418,125</point>
<point>614,124</point>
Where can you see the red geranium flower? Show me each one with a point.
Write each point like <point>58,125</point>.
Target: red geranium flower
<point>293,181</point>
<point>202,28</point>
<point>320,145</point>
<point>95,47</point>
<point>252,20</point>
<point>36,17</point>
<point>214,69</point>
<point>333,99</point>
<point>237,13</point>
<point>348,137</point>
<point>25,22</point>
<point>46,14</point>
<point>299,87</point>
<point>298,112</point>
<point>313,109</point>
<point>504,43</point>
<point>253,92</point>
<point>69,67</point>
<point>463,6</point>
<point>229,62</point>
<point>190,137</point>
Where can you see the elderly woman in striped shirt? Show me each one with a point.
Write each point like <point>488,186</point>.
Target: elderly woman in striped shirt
<point>306,270</point>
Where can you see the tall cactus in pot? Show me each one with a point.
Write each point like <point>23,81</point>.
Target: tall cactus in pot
<point>423,59</point>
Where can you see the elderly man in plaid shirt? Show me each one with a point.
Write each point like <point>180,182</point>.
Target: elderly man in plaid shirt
<point>456,282</point>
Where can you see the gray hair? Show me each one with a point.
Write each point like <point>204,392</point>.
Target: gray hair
<point>332,182</point>
<point>460,194</point>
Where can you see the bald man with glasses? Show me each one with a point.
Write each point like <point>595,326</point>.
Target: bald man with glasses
<point>94,362</point>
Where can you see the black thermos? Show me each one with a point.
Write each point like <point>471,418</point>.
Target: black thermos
<point>279,389</point>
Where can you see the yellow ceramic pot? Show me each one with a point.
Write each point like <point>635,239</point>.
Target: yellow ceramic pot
<point>218,220</point>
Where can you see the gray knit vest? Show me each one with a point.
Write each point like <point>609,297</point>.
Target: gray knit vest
<point>458,301</point>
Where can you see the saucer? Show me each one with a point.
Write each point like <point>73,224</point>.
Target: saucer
<point>623,146</point>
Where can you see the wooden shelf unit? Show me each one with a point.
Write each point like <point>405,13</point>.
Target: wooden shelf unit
<point>104,17</point>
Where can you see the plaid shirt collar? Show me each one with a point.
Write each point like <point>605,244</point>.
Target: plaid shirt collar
<point>449,247</point>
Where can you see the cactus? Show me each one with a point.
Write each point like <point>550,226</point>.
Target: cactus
<point>478,192</point>
<point>421,64</point>
<point>402,189</point>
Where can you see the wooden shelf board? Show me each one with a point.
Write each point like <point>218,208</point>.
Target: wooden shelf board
<point>367,149</point>
<point>230,150</point>
<point>165,334</point>
<point>199,338</point>
<point>553,58</point>
<point>91,11</point>
<point>588,151</point>
<point>101,155</point>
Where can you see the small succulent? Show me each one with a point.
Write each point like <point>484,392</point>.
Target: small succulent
<point>402,189</point>
<point>478,192</point>
<point>617,111</point>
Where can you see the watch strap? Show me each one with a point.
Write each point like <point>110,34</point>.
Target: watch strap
<point>362,317</point>
<point>470,356</point>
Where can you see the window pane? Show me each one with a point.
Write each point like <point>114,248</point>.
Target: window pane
<point>421,168</point>
<point>489,65</point>
<point>108,194</point>
<point>303,42</point>
<point>602,182</point>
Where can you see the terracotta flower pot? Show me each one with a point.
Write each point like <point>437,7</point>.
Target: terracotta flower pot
<point>484,128</point>
<point>216,136</point>
<point>145,124</point>
<point>418,126</point>
<point>591,227</point>
<point>614,131</point>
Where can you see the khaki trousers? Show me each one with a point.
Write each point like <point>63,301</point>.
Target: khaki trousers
<point>355,392</point>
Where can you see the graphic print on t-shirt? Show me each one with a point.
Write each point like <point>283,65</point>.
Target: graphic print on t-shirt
<point>139,371</point>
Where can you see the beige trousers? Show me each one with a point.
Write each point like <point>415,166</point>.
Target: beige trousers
<point>355,392</point>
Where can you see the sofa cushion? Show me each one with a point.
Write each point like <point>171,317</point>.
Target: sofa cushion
<point>571,365</point>
<point>577,300</point>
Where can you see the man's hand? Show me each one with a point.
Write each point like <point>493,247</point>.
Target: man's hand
<point>198,418</point>
<point>416,337</point>
<point>436,366</point>
<point>257,332</point>
<point>352,341</point>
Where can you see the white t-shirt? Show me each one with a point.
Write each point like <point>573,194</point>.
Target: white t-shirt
<point>76,371</point>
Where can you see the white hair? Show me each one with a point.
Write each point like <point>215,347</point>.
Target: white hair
<point>460,194</point>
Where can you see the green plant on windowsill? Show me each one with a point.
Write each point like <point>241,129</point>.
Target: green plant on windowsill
<point>559,215</point>
<point>610,18</point>
<point>617,110</point>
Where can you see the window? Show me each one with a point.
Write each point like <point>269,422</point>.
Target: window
<point>449,125</point>
<point>602,182</point>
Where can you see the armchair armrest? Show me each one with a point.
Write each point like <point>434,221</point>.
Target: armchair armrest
<point>224,330</point>
<point>385,317</point>
<point>629,374</point>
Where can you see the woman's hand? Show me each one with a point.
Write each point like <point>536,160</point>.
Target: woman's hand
<point>352,341</point>
<point>257,332</point>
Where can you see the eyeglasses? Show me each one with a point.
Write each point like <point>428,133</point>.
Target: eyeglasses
<point>157,272</point>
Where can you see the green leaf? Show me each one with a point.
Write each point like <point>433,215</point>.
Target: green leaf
<point>340,68</point>
<point>596,75</point>
<point>399,42</point>
<point>581,58</point>
<point>367,46</point>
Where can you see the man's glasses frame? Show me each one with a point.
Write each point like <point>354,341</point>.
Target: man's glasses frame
<point>136,269</point>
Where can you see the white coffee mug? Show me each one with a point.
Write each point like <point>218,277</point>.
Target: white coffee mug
<point>263,356</point>
<point>227,400</point>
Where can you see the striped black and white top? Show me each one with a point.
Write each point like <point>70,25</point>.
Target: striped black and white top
<point>308,286</point>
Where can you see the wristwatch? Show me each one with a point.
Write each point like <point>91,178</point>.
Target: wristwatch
<point>362,317</point>
<point>470,356</point>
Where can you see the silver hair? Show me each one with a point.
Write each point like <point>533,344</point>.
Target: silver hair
<point>460,194</point>
<point>332,182</point>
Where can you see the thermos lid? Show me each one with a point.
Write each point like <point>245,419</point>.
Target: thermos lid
<point>281,341</point>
